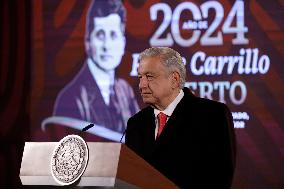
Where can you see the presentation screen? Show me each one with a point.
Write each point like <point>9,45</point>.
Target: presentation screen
<point>85,56</point>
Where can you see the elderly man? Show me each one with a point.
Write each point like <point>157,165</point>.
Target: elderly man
<point>188,139</point>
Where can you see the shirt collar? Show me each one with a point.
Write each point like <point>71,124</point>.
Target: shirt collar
<point>171,107</point>
<point>102,77</point>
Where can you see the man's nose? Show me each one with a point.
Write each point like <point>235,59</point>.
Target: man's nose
<point>106,43</point>
<point>143,82</point>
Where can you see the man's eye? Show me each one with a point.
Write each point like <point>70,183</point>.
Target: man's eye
<point>100,35</point>
<point>149,77</point>
<point>113,35</point>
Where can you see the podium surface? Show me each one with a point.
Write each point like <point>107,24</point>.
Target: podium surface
<point>110,165</point>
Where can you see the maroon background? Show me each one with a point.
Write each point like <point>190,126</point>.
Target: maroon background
<point>27,96</point>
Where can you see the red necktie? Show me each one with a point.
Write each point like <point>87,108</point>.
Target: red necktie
<point>162,122</point>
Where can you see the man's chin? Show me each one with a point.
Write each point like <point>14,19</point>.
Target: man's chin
<point>108,65</point>
<point>147,100</point>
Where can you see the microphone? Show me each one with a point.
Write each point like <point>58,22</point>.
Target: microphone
<point>88,127</point>
<point>123,135</point>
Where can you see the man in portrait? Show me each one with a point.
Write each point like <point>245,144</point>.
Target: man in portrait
<point>96,95</point>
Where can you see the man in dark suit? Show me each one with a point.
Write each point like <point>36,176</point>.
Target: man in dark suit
<point>188,139</point>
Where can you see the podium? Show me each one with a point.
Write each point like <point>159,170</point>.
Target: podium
<point>110,165</point>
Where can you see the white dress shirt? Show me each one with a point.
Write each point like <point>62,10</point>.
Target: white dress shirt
<point>104,80</point>
<point>168,111</point>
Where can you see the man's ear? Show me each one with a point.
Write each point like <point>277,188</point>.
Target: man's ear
<point>87,46</point>
<point>175,79</point>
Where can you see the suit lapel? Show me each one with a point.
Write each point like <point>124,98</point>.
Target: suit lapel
<point>170,127</point>
<point>176,120</point>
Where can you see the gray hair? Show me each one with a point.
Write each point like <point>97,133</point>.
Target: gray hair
<point>170,58</point>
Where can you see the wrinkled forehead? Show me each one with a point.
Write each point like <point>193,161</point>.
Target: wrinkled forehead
<point>112,21</point>
<point>150,64</point>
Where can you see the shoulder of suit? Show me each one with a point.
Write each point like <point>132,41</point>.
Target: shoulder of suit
<point>74,87</point>
<point>208,104</point>
<point>143,112</point>
<point>81,78</point>
<point>191,99</point>
<point>208,101</point>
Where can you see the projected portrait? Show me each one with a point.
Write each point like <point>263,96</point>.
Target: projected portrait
<point>96,95</point>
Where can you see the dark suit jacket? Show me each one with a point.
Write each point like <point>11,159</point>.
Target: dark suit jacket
<point>82,99</point>
<point>196,148</point>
